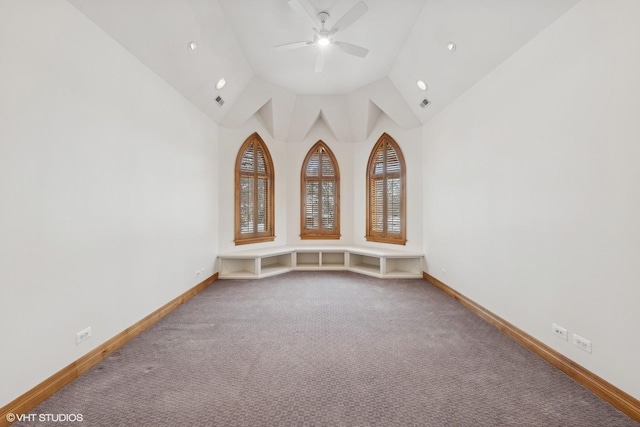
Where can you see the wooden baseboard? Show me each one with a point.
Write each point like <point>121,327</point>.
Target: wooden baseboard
<point>605,390</point>
<point>32,398</point>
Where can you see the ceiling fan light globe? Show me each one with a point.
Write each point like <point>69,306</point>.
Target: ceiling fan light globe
<point>324,41</point>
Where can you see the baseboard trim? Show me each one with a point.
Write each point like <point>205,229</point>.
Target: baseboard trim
<point>32,398</point>
<point>605,390</point>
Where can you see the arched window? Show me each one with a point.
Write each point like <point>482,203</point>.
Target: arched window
<point>386,219</point>
<point>254,193</point>
<point>320,194</point>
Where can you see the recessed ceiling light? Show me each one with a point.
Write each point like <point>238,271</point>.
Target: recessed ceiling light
<point>421,84</point>
<point>192,46</point>
<point>451,46</point>
<point>221,83</point>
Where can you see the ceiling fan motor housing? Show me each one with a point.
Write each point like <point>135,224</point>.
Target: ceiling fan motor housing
<point>323,16</point>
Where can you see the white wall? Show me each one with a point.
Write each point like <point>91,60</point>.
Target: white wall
<point>410,142</point>
<point>230,142</point>
<point>532,188</point>
<point>108,190</point>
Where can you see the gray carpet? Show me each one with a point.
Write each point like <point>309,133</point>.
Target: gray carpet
<point>326,349</point>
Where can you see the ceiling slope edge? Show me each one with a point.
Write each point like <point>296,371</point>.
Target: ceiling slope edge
<point>367,104</point>
<point>254,96</point>
<point>373,116</point>
<point>305,114</point>
<point>253,100</point>
<point>265,113</point>
<point>385,95</point>
<point>322,127</point>
<point>336,115</point>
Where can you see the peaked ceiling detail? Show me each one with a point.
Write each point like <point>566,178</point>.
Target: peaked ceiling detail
<point>406,40</point>
<point>290,117</point>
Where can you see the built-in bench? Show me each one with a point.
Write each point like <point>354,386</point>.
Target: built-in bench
<point>258,263</point>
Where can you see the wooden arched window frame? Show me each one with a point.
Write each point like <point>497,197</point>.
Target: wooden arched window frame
<point>386,193</point>
<point>254,193</point>
<point>320,194</point>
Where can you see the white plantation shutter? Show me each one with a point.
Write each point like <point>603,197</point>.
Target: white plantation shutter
<point>246,205</point>
<point>393,205</point>
<point>260,166</point>
<point>248,159</point>
<point>313,164</point>
<point>328,205</point>
<point>378,163</point>
<point>386,201</point>
<point>376,207</point>
<point>327,165</point>
<point>312,211</point>
<point>254,192</point>
<point>320,217</point>
<point>263,205</point>
<point>392,160</point>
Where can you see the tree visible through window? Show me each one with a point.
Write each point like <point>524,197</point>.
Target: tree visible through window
<point>320,195</point>
<point>386,193</point>
<point>254,193</point>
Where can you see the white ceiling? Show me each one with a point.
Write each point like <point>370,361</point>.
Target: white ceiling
<point>406,41</point>
<point>261,24</point>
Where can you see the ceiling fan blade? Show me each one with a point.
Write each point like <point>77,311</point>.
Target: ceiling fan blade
<point>302,7</point>
<point>294,45</point>
<point>352,49</point>
<point>319,61</point>
<point>350,17</point>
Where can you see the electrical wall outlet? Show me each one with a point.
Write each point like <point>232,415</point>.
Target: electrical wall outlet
<point>560,331</point>
<point>582,343</point>
<point>83,335</point>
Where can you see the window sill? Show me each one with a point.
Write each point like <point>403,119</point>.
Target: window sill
<point>320,236</point>
<point>393,241</point>
<point>254,240</point>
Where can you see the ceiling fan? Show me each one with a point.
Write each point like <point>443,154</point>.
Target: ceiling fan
<point>323,37</point>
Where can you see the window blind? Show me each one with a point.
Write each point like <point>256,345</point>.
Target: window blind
<point>320,194</point>
<point>385,205</point>
<point>254,192</point>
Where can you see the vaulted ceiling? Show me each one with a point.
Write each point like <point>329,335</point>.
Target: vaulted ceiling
<point>406,41</point>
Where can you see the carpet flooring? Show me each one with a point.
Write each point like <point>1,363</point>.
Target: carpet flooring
<point>326,349</point>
